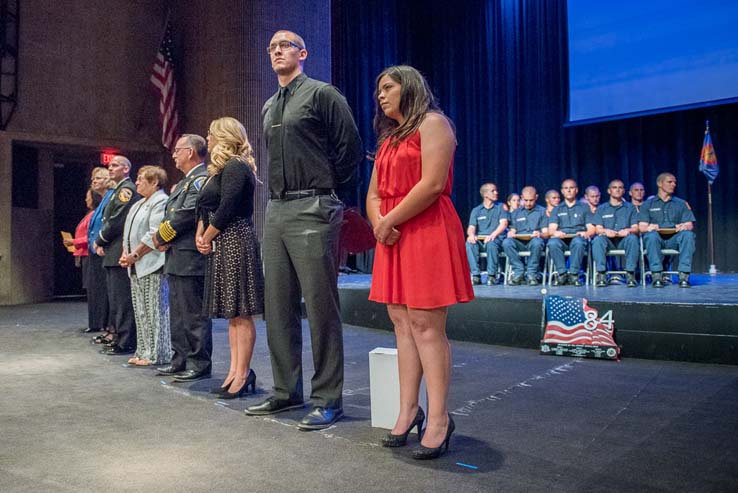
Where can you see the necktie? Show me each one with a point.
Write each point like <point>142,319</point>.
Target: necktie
<point>276,149</point>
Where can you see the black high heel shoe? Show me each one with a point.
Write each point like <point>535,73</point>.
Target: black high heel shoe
<point>426,453</point>
<point>250,382</point>
<point>220,390</point>
<point>391,440</point>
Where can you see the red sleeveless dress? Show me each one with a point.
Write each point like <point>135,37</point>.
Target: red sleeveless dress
<point>427,268</point>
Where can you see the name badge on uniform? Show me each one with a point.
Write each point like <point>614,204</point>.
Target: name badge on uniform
<point>655,210</point>
<point>481,218</point>
<point>607,216</point>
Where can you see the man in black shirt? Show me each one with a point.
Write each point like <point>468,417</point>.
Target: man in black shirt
<point>314,146</point>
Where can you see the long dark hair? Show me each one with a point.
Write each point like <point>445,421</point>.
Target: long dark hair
<point>416,100</point>
<point>96,198</point>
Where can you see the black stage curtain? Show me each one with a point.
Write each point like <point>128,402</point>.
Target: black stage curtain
<point>499,70</point>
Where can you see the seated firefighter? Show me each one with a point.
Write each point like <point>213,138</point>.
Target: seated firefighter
<point>616,227</point>
<point>527,227</point>
<point>667,221</point>
<point>487,223</point>
<point>570,226</point>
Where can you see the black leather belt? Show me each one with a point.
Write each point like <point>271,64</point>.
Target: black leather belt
<point>301,194</point>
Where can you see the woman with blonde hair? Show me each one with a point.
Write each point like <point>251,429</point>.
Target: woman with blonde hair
<point>234,282</point>
<point>97,288</point>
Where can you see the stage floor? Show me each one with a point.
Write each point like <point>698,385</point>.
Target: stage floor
<point>699,324</point>
<point>74,420</point>
<point>713,290</point>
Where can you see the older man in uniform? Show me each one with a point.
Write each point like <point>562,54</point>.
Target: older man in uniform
<point>667,222</point>
<point>528,224</point>
<point>487,223</point>
<point>192,339</point>
<point>314,147</point>
<point>570,224</point>
<point>109,244</point>
<point>616,226</point>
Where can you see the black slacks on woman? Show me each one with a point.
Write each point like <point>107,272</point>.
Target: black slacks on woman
<point>98,312</point>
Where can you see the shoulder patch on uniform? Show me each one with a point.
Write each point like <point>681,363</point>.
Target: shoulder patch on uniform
<point>198,182</point>
<point>125,194</point>
<point>687,204</point>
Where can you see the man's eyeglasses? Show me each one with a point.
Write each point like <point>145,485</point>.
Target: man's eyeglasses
<point>177,149</point>
<point>283,45</point>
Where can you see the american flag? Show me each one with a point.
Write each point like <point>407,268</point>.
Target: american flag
<point>572,321</point>
<point>162,78</point>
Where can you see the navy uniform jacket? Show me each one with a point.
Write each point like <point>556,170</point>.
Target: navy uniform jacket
<point>573,219</point>
<point>666,214</point>
<point>526,221</point>
<point>114,219</point>
<point>487,220</point>
<point>179,225</point>
<point>616,218</point>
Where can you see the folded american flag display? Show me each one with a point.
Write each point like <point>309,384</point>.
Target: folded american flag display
<point>573,328</point>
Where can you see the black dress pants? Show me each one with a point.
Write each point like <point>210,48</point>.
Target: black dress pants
<point>300,260</point>
<point>192,331</point>
<point>97,293</point>
<point>121,306</point>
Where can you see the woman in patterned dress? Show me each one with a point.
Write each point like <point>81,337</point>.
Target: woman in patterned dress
<point>234,282</point>
<point>149,288</point>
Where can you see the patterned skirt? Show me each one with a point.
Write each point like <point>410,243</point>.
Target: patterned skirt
<point>150,297</point>
<point>234,280</point>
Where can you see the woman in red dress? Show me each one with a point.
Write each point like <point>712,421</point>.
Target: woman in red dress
<point>420,265</point>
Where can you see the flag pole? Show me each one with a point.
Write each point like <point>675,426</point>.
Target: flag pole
<point>710,237</point>
<point>710,233</point>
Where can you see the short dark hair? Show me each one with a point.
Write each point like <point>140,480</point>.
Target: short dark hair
<point>198,144</point>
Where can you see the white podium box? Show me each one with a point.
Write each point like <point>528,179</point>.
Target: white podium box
<point>384,384</point>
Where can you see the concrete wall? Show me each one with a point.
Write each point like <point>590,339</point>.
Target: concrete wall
<point>225,70</point>
<point>83,86</point>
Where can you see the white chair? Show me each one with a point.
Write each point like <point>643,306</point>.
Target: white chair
<point>666,252</point>
<point>618,252</point>
<point>548,269</point>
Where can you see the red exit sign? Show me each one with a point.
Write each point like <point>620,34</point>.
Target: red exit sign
<point>106,157</point>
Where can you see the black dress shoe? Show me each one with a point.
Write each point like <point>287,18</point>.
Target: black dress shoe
<point>574,279</point>
<point>533,281</point>
<point>560,279</point>
<point>273,405</point>
<point>191,375</point>
<point>117,350</point>
<point>630,280</point>
<point>515,281</point>
<point>684,280</point>
<point>601,281</point>
<point>320,418</point>
<point>657,280</point>
<point>168,371</point>
<point>476,280</point>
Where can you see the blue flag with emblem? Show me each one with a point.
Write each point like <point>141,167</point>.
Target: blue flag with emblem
<point>708,159</point>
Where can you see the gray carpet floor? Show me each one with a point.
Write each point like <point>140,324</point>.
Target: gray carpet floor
<point>74,420</point>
